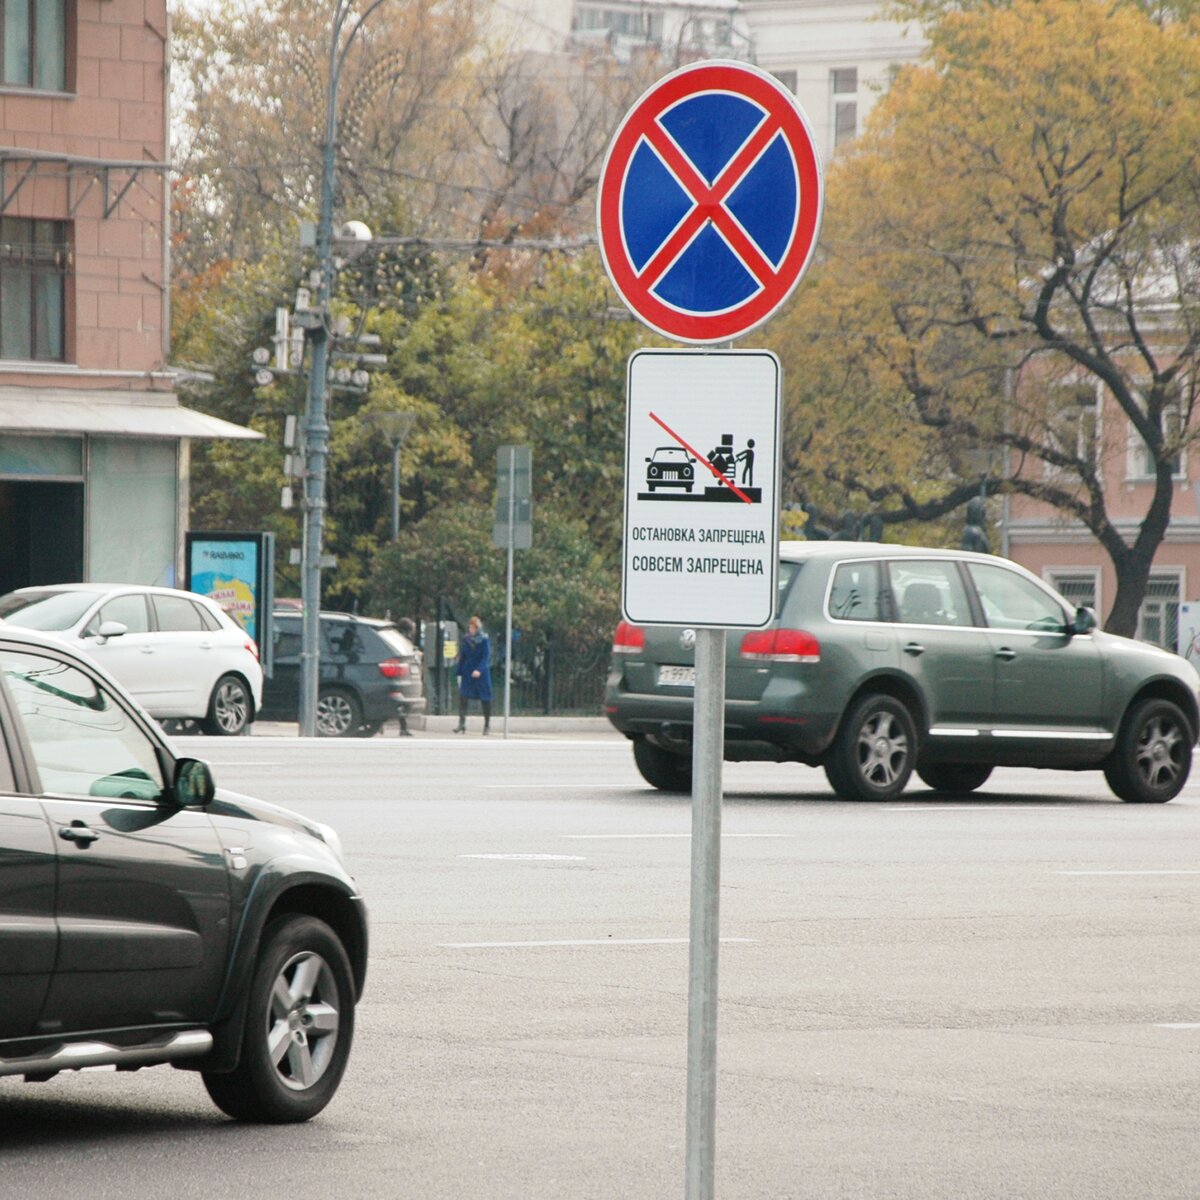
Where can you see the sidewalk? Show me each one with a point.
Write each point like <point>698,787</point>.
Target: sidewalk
<point>443,726</point>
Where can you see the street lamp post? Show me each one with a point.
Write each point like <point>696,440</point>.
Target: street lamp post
<point>316,404</point>
<point>395,427</point>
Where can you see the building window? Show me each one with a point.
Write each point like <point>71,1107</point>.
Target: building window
<point>642,26</point>
<point>1080,589</point>
<point>34,37</point>
<point>1158,618</point>
<point>1074,427</point>
<point>844,85</point>
<point>34,259</point>
<point>787,78</point>
<point>1141,462</point>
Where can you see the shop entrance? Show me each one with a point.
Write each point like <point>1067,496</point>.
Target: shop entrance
<point>41,533</point>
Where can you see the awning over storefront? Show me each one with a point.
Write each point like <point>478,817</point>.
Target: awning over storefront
<point>129,414</point>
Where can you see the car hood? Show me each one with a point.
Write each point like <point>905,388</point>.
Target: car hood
<point>226,804</point>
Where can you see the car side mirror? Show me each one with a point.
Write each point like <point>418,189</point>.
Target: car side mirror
<point>109,629</point>
<point>193,785</point>
<point>1085,620</point>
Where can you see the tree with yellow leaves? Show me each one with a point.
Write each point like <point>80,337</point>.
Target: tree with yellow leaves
<point>1018,223</point>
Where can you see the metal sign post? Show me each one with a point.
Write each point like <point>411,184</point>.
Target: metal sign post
<point>708,753</point>
<point>508,604</point>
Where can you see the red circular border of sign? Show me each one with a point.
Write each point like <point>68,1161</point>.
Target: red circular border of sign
<point>765,91</point>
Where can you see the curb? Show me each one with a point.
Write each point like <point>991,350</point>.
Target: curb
<point>443,726</point>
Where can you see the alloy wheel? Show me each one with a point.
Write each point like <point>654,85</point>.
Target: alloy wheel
<point>882,749</point>
<point>1160,752</point>
<point>303,1021</point>
<point>231,706</point>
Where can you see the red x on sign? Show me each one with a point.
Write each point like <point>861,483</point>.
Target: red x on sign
<point>710,201</point>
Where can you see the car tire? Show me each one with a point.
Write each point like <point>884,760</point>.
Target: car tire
<point>299,1027</point>
<point>230,708</point>
<point>661,769</point>
<point>1152,757</point>
<point>873,754</point>
<point>955,777</point>
<point>339,713</point>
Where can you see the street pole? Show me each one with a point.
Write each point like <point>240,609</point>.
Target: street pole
<point>396,488</point>
<point>708,753</point>
<point>316,420</point>
<point>508,609</point>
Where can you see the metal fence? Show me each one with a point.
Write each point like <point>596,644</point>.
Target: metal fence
<point>549,677</point>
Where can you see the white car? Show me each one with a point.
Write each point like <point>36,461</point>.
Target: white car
<point>180,654</point>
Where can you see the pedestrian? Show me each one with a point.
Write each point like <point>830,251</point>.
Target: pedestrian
<point>474,674</point>
<point>408,627</point>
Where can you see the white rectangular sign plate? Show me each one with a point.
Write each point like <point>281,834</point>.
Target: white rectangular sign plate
<point>702,451</point>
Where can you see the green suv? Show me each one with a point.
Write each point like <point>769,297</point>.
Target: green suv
<point>885,659</point>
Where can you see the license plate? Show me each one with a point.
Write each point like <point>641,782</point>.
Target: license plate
<point>677,676</point>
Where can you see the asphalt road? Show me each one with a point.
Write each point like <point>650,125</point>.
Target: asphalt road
<point>985,996</point>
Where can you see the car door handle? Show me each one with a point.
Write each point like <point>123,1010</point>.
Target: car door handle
<point>914,648</point>
<point>78,833</point>
<point>1006,653</point>
<point>147,649</point>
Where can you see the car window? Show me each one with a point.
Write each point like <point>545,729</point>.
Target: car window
<point>82,739</point>
<point>394,641</point>
<point>855,594</point>
<point>287,639</point>
<point>177,614</point>
<point>1010,601</point>
<point>129,610</point>
<point>208,619</point>
<point>342,639</point>
<point>787,572</point>
<point>46,610</point>
<point>929,592</point>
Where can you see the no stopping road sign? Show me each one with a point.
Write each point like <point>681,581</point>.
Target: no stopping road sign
<point>710,201</point>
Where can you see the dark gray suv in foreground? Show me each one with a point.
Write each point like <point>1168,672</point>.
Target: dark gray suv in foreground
<point>885,659</point>
<point>147,918</point>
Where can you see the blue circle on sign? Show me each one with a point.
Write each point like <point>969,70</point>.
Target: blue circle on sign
<point>709,201</point>
<point>710,130</point>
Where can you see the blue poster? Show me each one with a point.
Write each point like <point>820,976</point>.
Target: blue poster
<point>227,571</point>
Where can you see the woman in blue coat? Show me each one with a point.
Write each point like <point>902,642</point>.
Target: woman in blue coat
<point>474,674</point>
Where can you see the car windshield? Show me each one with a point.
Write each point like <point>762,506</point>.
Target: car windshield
<point>48,610</point>
<point>669,452</point>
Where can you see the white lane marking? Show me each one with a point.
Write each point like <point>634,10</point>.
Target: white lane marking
<point>601,837</point>
<point>249,762</point>
<point>1171,872</point>
<point>530,857</point>
<point>574,787</point>
<point>974,808</point>
<point>581,942</point>
<point>1177,1025</point>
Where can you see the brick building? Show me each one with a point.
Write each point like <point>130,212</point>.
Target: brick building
<point>93,441</point>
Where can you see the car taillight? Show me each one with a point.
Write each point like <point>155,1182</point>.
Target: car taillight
<point>393,668</point>
<point>252,646</point>
<point>629,639</point>
<point>781,645</point>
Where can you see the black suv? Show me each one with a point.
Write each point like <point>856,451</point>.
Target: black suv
<point>884,660</point>
<point>147,918</point>
<point>370,673</point>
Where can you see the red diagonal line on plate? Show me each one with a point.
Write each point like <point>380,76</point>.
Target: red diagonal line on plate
<point>733,487</point>
<point>709,203</point>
